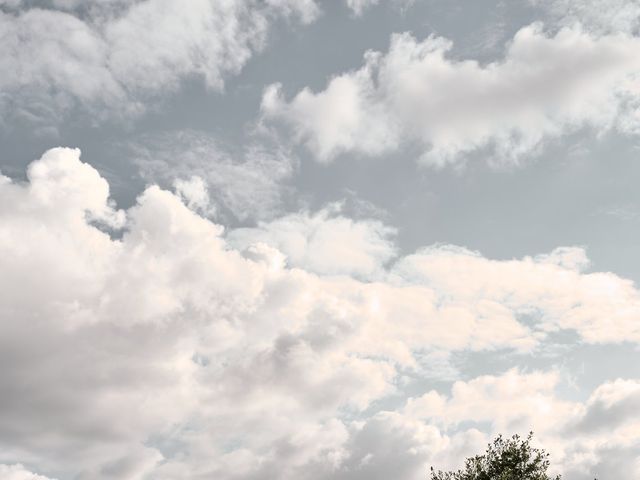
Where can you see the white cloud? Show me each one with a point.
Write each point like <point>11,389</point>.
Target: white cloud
<point>545,87</point>
<point>114,57</point>
<point>520,402</point>
<point>18,472</point>
<point>359,6</point>
<point>195,195</point>
<point>598,306</point>
<point>511,402</point>
<point>325,242</point>
<point>118,57</point>
<point>166,352</point>
<point>57,179</point>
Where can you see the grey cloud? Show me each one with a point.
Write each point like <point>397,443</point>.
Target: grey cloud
<point>612,462</point>
<point>610,407</point>
<point>135,464</point>
<point>388,446</point>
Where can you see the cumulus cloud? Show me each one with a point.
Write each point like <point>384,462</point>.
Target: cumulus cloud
<point>115,57</point>
<point>18,472</point>
<point>546,86</point>
<point>611,406</point>
<point>510,402</point>
<point>518,402</point>
<point>195,194</point>
<point>165,351</point>
<point>324,242</point>
<point>524,286</point>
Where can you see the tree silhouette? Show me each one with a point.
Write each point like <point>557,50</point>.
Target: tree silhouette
<point>505,459</point>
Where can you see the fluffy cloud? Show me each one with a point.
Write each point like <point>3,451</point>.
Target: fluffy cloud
<point>611,406</point>
<point>114,57</point>
<point>510,402</point>
<point>517,402</point>
<point>18,472</point>
<point>163,351</point>
<point>545,87</point>
<point>325,242</point>
<point>579,302</point>
<point>117,57</point>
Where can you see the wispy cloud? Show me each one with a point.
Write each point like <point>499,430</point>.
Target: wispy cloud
<point>246,183</point>
<point>118,57</point>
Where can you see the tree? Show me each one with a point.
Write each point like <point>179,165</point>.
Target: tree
<point>505,459</point>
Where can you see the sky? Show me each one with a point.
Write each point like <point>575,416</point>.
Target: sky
<point>319,240</point>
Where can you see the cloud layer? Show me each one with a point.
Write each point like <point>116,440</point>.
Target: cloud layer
<point>418,95</point>
<point>325,242</point>
<point>119,57</point>
<point>145,343</point>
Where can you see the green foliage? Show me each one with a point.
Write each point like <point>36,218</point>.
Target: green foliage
<point>505,459</point>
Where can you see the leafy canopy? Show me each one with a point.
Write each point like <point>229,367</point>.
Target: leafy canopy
<point>505,459</point>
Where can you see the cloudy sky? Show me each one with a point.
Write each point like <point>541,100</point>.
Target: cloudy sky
<point>319,240</point>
